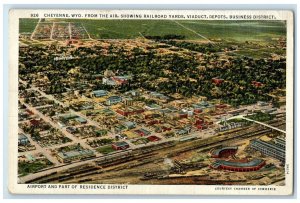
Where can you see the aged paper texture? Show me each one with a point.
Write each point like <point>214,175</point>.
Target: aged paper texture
<point>186,102</point>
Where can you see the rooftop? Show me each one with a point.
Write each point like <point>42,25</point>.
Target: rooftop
<point>252,163</point>
<point>121,144</point>
<point>114,98</point>
<point>70,154</point>
<point>22,136</point>
<point>217,151</point>
<point>100,92</point>
<point>267,144</point>
<point>79,119</point>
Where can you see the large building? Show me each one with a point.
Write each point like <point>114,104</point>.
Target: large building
<point>99,93</point>
<point>108,81</point>
<point>113,100</point>
<point>224,152</point>
<point>274,149</point>
<point>120,145</point>
<point>152,107</point>
<point>69,156</point>
<point>129,125</point>
<point>130,111</point>
<point>252,165</point>
<point>204,107</point>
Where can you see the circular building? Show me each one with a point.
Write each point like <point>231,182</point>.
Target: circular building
<point>252,165</point>
<point>224,152</point>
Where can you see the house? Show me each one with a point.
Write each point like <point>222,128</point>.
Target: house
<point>153,138</point>
<point>199,121</point>
<point>202,98</point>
<point>142,132</point>
<point>179,103</point>
<point>166,128</point>
<point>133,93</point>
<point>182,115</point>
<point>197,111</point>
<point>153,122</point>
<point>189,111</point>
<point>81,120</point>
<point>99,93</point>
<point>113,100</point>
<point>119,128</point>
<point>256,84</point>
<point>71,130</point>
<point>108,81</point>
<point>34,122</point>
<point>217,81</point>
<point>120,80</point>
<point>156,129</point>
<point>261,103</point>
<point>129,125</point>
<point>159,97</point>
<point>271,110</point>
<point>221,106</point>
<point>183,131</point>
<point>120,145</point>
<point>22,139</point>
<point>204,107</point>
<point>201,127</point>
<point>152,107</point>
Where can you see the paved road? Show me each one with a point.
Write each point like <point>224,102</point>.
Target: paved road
<point>39,149</point>
<point>87,32</point>
<point>70,31</point>
<point>56,126</point>
<point>52,29</point>
<point>33,33</point>
<point>193,31</point>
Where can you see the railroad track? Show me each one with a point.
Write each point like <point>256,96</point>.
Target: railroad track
<point>155,152</point>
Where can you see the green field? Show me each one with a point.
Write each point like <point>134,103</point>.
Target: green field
<point>27,25</point>
<point>105,149</point>
<point>130,29</point>
<point>238,30</point>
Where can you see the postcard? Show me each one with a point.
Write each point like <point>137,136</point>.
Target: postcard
<point>166,102</point>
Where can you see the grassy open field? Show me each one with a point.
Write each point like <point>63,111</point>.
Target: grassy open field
<point>130,29</point>
<point>27,25</point>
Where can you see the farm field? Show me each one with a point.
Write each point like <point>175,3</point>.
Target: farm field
<point>27,25</point>
<point>191,30</point>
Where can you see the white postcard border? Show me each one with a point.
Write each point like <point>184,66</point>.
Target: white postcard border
<point>16,188</point>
